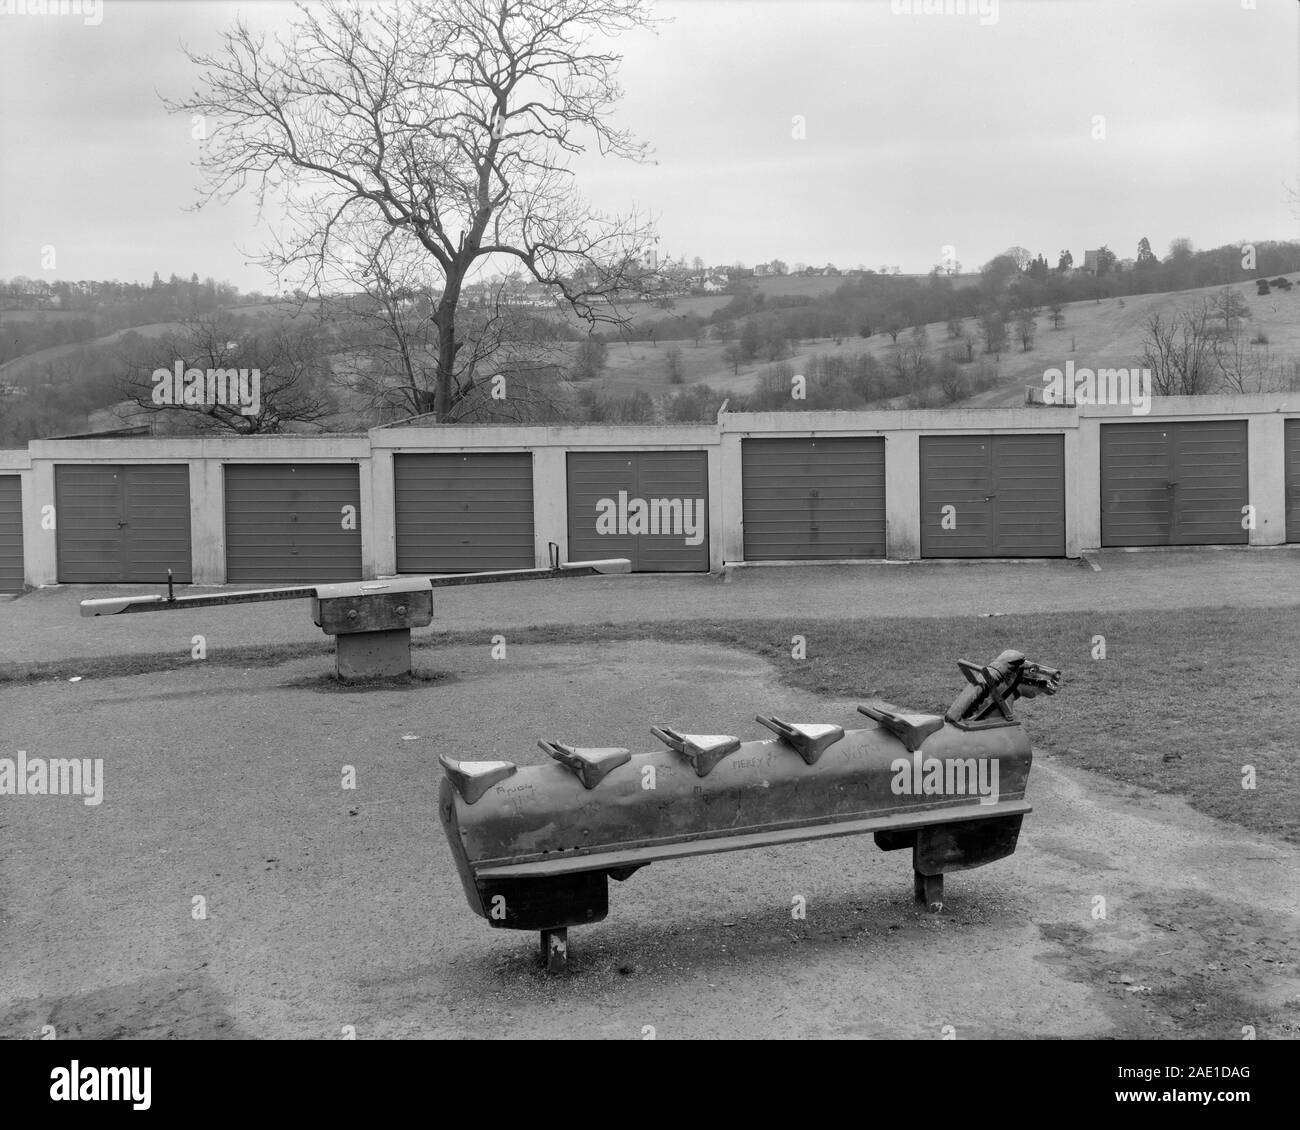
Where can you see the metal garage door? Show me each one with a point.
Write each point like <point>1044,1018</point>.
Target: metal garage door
<point>122,524</point>
<point>456,513</point>
<point>11,533</point>
<point>813,498</point>
<point>1173,484</point>
<point>1291,447</point>
<point>293,522</point>
<point>651,507</point>
<point>993,496</point>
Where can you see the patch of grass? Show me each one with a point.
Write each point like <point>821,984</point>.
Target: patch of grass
<point>1183,702</point>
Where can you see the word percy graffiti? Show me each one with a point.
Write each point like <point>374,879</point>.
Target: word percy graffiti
<point>676,517</point>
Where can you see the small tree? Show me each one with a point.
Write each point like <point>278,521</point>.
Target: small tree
<point>894,323</point>
<point>1179,351</point>
<point>952,382</point>
<point>1056,308</point>
<point>994,331</point>
<point>673,363</point>
<point>1229,305</point>
<point>1026,327</point>
<point>592,356</point>
<point>733,354</point>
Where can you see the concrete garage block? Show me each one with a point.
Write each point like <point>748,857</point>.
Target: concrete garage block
<point>370,655</point>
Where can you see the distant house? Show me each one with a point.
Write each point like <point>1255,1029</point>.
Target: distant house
<point>1090,261</point>
<point>1126,265</point>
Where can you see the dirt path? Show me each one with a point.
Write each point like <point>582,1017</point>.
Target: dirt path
<point>328,907</point>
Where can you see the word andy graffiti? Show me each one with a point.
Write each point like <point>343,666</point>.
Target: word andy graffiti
<point>1105,386</point>
<point>987,10</point>
<point>235,388</point>
<point>60,776</point>
<point>91,9</point>
<point>102,1084</point>
<point>677,517</point>
<point>953,776</point>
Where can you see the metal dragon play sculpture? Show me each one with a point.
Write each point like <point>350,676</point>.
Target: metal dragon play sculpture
<point>536,845</point>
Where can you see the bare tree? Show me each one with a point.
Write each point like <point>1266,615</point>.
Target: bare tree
<point>504,369</point>
<point>1026,326</point>
<point>1179,352</point>
<point>994,330</point>
<point>441,126</point>
<point>1229,305</point>
<point>733,355</point>
<point>292,369</point>
<point>1244,366</point>
<point>1020,256</point>
<point>673,366</point>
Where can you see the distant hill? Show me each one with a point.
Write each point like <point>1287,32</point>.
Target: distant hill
<point>1105,334</point>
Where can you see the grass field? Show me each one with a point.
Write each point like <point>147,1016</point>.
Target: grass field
<point>1094,335</point>
<point>1182,703</point>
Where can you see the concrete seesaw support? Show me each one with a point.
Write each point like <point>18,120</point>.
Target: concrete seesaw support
<point>371,621</point>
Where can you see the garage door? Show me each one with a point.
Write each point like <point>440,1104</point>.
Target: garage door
<point>651,507</point>
<point>1292,471</point>
<point>993,496</point>
<point>11,533</point>
<point>456,513</point>
<point>1173,484</point>
<point>122,524</point>
<point>810,499</point>
<point>293,522</point>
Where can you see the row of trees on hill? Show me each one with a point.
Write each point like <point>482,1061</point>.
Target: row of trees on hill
<point>42,314</point>
<point>1008,284</point>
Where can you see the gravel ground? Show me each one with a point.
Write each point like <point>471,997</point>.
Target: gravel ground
<point>328,908</point>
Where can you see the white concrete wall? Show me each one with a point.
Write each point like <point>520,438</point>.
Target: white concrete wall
<point>20,463</point>
<point>902,432</point>
<point>206,457</point>
<point>549,445</point>
<point>1265,428</point>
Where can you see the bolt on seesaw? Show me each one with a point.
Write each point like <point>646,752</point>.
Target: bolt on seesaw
<point>370,620</point>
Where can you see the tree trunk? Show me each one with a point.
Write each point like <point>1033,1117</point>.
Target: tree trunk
<point>448,347</point>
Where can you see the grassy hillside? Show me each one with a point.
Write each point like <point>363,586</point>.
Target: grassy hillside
<point>29,362</point>
<point>1094,335</point>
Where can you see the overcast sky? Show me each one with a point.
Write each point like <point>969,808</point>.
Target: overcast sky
<point>921,131</point>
